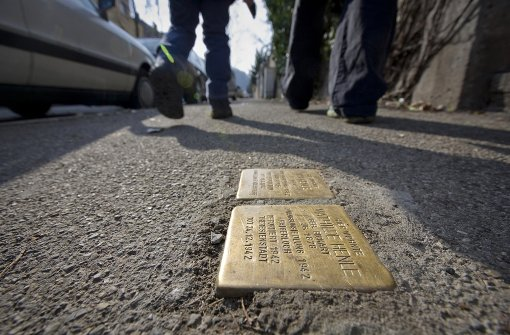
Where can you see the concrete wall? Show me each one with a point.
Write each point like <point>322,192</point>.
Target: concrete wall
<point>490,54</point>
<point>460,75</point>
<point>442,81</point>
<point>500,92</point>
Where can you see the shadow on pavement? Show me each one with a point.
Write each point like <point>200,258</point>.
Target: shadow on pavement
<point>457,196</point>
<point>47,141</point>
<point>443,129</point>
<point>434,128</point>
<point>15,118</point>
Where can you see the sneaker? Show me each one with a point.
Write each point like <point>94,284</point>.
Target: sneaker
<point>333,113</point>
<point>220,108</point>
<point>168,79</point>
<point>337,114</point>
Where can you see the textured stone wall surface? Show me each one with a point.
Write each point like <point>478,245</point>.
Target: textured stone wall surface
<point>462,74</point>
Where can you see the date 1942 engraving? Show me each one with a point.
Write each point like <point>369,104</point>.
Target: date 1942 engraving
<point>297,246</point>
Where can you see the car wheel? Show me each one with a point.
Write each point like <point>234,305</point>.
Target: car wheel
<point>30,110</point>
<point>143,93</point>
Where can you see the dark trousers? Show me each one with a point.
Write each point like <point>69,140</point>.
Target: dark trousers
<point>181,38</point>
<point>360,50</point>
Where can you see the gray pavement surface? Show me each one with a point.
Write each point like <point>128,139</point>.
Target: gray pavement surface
<point>6,115</point>
<point>107,218</point>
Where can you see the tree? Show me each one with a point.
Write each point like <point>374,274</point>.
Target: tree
<point>424,28</point>
<point>280,15</point>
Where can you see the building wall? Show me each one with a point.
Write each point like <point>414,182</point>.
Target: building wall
<point>490,55</point>
<point>123,16</point>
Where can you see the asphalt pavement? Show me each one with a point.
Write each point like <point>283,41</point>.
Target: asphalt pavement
<point>107,217</point>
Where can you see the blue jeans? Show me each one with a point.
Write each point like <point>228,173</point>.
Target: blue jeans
<point>181,38</point>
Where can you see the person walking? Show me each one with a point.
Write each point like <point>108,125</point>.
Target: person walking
<point>361,47</point>
<point>169,77</point>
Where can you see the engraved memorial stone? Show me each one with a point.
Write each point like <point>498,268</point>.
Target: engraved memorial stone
<point>309,247</point>
<point>282,184</point>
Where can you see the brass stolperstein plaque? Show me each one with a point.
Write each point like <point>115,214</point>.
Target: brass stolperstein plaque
<point>309,247</point>
<point>282,184</point>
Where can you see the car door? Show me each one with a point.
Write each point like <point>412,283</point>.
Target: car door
<point>75,49</point>
<point>14,53</point>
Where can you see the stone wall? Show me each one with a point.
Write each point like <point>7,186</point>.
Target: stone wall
<point>490,54</point>
<point>500,92</point>
<point>460,75</point>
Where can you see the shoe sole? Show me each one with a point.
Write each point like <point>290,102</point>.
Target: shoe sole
<point>167,93</point>
<point>360,119</point>
<point>221,115</point>
<point>296,89</point>
<point>350,119</point>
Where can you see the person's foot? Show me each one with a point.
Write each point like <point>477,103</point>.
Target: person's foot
<point>296,105</point>
<point>360,119</point>
<point>220,108</point>
<point>333,113</point>
<point>337,113</point>
<point>298,91</point>
<point>167,78</point>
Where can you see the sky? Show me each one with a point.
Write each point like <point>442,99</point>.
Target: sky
<point>247,35</point>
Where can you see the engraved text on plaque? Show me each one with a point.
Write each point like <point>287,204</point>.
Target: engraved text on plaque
<point>282,184</point>
<point>314,247</point>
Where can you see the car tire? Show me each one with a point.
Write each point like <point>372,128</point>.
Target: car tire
<point>143,93</point>
<point>30,110</point>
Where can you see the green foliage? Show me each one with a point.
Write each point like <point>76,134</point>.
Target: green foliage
<point>280,15</point>
<point>331,21</point>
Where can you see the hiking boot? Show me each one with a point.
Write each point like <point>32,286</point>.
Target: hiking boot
<point>220,108</point>
<point>169,78</point>
<point>338,114</point>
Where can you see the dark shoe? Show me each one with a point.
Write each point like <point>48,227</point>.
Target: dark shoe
<point>298,105</point>
<point>298,91</point>
<point>360,119</point>
<point>167,79</point>
<point>337,113</point>
<point>220,108</point>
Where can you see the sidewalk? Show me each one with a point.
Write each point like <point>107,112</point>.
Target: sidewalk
<point>109,224</point>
